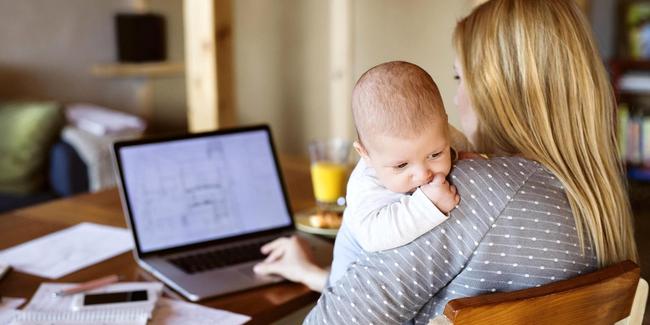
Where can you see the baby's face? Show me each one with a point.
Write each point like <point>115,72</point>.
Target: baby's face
<point>403,164</point>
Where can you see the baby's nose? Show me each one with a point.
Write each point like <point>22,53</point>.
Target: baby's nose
<point>425,176</point>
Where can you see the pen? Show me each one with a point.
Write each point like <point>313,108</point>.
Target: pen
<point>92,284</point>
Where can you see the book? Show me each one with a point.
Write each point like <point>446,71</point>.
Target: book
<point>645,141</point>
<point>637,26</point>
<point>623,121</point>
<point>635,82</point>
<point>633,151</point>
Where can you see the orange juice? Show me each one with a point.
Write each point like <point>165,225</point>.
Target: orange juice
<point>329,180</point>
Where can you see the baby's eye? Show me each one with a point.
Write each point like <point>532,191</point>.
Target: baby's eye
<point>435,155</point>
<point>400,166</point>
<point>456,77</point>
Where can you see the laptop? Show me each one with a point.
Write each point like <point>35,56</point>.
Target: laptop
<point>201,205</point>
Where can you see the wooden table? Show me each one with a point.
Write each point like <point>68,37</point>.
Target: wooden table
<point>264,304</point>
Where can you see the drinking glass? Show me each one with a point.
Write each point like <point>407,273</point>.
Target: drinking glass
<point>330,168</point>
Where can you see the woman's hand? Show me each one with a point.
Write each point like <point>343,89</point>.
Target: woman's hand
<point>291,258</point>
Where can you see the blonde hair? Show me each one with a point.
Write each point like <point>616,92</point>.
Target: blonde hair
<point>396,98</point>
<point>539,88</point>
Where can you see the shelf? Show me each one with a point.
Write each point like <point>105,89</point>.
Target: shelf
<point>152,69</point>
<point>630,64</point>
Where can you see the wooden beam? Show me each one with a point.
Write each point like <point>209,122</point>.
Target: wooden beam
<point>225,66</point>
<point>201,65</point>
<point>341,57</point>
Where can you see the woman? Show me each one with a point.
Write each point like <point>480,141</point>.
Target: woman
<point>533,90</point>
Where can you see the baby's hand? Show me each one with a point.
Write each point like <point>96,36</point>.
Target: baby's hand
<point>441,193</point>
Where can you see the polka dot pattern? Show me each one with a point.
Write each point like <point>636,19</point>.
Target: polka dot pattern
<point>512,230</point>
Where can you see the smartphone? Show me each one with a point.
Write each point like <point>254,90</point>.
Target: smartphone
<point>118,299</point>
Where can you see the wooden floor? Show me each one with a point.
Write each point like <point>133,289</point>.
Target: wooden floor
<point>640,197</point>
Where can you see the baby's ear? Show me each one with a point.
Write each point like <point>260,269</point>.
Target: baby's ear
<point>361,150</point>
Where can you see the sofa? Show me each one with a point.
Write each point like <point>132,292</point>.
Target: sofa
<point>36,165</point>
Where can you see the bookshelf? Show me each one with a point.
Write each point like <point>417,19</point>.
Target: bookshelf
<point>631,83</point>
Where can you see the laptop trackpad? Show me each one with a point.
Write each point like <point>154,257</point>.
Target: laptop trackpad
<point>247,270</point>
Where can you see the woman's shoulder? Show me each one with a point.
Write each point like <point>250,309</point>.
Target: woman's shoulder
<point>496,182</point>
<point>511,170</point>
<point>505,162</point>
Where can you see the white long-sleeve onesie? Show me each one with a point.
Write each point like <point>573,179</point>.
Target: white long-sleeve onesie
<point>381,219</point>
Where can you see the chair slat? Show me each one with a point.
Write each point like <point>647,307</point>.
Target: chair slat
<point>601,297</point>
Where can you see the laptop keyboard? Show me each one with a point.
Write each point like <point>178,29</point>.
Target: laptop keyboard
<point>222,257</point>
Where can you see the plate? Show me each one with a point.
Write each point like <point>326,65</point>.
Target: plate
<point>302,223</point>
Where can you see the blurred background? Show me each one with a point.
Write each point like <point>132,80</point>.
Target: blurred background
<point>279,55</point>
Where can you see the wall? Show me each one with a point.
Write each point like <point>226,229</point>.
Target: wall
<point>418,31</point>
<point>169,100</point>
<point>282,51</point>
<point>603,15</point>
<point>281,56</point>
<point>48,48</point>
<point>281,68</point>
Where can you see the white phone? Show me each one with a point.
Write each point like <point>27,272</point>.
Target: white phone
<point>117,299</point>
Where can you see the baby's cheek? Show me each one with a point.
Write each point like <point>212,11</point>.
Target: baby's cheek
<point>397,184</point>
<point>443,167</point>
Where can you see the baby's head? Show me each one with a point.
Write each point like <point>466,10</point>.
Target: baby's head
<point>402,125</point>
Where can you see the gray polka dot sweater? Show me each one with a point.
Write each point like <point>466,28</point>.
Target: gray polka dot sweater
<point>513,229</point>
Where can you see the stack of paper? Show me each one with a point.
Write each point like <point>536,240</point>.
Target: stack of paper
<point>8,308</point>
<point>47,308</point>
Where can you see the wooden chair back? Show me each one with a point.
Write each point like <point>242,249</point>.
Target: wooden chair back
<point>601,297</point>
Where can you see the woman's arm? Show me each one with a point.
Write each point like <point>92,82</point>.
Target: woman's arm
<point>391,286</point>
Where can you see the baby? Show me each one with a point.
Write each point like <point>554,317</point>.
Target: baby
<point>398,190</point>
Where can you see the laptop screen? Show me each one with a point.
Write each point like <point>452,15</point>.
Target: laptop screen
<point>199,189</point>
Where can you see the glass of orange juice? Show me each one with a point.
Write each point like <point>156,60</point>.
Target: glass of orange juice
<point>330,169</point>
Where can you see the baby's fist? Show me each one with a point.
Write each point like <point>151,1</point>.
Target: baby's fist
<point>441,193</point>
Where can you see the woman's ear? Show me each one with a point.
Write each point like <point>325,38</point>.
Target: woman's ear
<point>361,150</point>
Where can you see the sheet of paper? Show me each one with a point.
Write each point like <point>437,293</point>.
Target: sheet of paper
<point>7,315</point>
<point>8,303</point>
<point>8,308</point>
<point>63,252</point>
<point>170,312</point>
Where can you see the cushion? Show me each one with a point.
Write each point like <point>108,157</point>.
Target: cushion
<point>68,173</point>
<point>27,130</point>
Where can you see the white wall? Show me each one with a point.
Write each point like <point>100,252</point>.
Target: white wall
<point>417,31</point>
<point>281,68</point>
<point>281,53</point>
